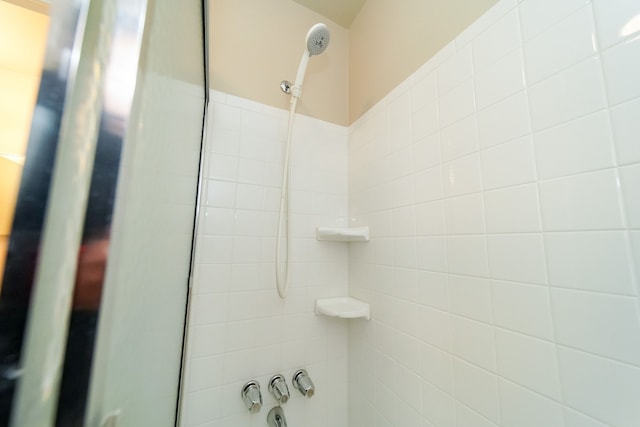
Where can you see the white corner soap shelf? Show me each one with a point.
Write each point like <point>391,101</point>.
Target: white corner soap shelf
<point>343,307</point>
<point>343,234</point>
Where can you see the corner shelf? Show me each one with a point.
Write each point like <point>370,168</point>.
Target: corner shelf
<point>343,307</point>
<point>343,234</point>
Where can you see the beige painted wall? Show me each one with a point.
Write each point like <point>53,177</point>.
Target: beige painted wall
<point>255,44</point>
<point>22,42</point>
<point>390,39</point>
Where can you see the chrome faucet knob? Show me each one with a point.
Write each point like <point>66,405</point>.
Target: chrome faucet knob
<point>278,388</point>
<point>303,383</point>
<point>251,396</point>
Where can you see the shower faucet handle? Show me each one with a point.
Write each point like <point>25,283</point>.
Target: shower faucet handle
<point>251,396</point>
<point>278,388</point>
<point>303,383</point>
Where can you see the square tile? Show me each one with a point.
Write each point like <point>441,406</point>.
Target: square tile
<point>577,146</point>
<point>621,65</point>
<point>522,308</point>
<point>513,210</point>
<point>574,92</point>
<point>470,297</point>
<point>477,389</point>
<point>473,342</point>
<point>581,202</point>
<point>508,164</point>
<point>462,176</point>
<point>499,39</point>
<point>626,129</point>
<point>560,46</point>
<point>607,325</point>
<point>593,261</point>
<point>538,15</point>
<point>600,388</point>
<point>616,20</point>
<point>500,80</point>
<point>504,121</point>
<point>464,214</point>
<point>517,257</point>
<point>528,361</point>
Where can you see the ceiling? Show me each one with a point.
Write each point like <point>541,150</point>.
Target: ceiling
<point>341,12</point>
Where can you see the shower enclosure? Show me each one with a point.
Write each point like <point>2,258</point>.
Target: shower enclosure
<point>94,295</point>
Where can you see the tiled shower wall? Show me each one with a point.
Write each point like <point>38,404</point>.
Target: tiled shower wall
<point>501,184</point>
<point>239,329</point>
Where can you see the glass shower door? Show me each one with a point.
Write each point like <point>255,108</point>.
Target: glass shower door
<point>114,153</point>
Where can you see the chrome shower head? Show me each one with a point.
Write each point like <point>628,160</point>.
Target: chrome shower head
<point>318,39</point>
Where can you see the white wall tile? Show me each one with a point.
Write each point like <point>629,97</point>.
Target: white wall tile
<point>498,40</point>
<point>508,164</point>
<point>424,91</point>
<point>473,342</point>
<point>426,152</point>
<point>522,308</point>
<point>504,121</point>
<point>431,255</point>
<point>406,350</point>
<point>581,202</point>
<point>404,221</point>
<point>435,328</point>
<point>607,325</point>
<point>425,121</point>
<point>250,196</point>
<point>594,261</point>
<point>577,419</point>
<point>570,94</point>
<point>437,406</point>
<point>630,182</point>
<point>464,214</point>
<point>467,255</point>
<point>513,210</point>
<point>613,20</point>
<point>601,388</point>
<point>222,167</point>
<point>500,80</point>
<point>437,367</point>
<point>221,194</point>
<point>477,389</point>
<point>429,218</point>
<point>517,257</point>
<point>621,64</point>
<point>428,185</point>
<point>239,328</point>
<point>462,176</point>
<point>538,15</point>
<point>433,290</point>
<point>578,146</point>
<point>626,130</point>
<point>454,71</point>
<point>457,104</point>
<point>400,121</point>
<point>459,139</point>
<point>560,46</point>
<point>523,408</point>
<point>470,297</point>
<point>528,361</point>
<point>467,417</point>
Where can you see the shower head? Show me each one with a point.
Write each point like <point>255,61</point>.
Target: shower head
<point>318,39</point>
